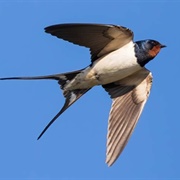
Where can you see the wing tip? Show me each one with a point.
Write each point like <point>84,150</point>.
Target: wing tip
<point>54,27</point>
<point>109,162</point>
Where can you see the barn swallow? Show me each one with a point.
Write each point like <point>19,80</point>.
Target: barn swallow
<point>118,65</point>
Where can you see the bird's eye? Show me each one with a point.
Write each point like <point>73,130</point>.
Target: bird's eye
<point>152,44</point>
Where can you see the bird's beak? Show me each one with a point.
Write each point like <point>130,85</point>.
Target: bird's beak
<point>163,46</point>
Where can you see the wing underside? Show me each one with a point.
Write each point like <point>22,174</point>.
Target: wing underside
<point>129,97</point>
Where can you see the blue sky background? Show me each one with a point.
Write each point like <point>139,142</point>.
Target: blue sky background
<point>75,145</point>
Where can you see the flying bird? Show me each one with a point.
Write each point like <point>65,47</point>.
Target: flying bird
<point>118,65</point>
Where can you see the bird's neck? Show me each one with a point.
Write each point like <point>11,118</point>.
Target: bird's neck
<point>141,54</point>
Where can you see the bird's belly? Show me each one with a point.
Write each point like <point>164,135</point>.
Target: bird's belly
<point>91,77</point>
<point>113,67</point>
<point>116,65</point>
<point>111,75</point>
<point>110,68</point>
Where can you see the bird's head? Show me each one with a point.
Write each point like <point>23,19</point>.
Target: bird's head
<point>152,47</point>
<point>146,50</point>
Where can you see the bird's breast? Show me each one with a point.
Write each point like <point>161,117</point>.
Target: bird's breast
<point>117,65</point>
<point>110,68</point>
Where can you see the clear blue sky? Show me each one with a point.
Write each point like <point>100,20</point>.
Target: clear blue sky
<point>74,147</point>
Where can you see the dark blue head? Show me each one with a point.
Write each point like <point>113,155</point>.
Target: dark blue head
<point>146,50</point>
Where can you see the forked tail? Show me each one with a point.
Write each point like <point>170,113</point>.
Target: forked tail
<point>63,79</point>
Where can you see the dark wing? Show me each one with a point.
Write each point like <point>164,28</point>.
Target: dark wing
<point>101,39</point>
<point>129,97</point>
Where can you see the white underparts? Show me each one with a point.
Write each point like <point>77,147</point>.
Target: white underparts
<point>110,68</point>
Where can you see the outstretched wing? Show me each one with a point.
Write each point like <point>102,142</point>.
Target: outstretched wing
<point>129,97</point>
<point>101,39</point>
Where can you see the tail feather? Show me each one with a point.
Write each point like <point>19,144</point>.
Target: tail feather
<point>59,77</point>
<point>63,79</point>
<point>54,77</point>
<point>71,97</point>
